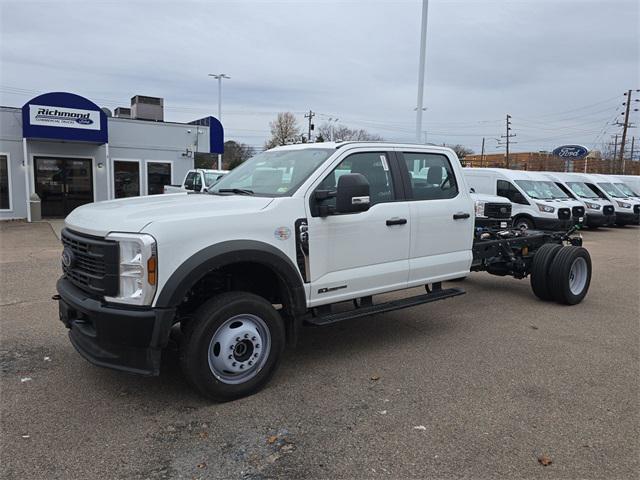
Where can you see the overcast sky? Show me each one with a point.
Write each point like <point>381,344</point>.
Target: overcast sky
<point>559,67</point>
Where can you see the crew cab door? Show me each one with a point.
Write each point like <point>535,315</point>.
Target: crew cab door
<point>362,253</point>
<point>442,216</point>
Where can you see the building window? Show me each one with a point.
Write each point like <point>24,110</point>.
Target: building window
<point>126,179</point>
<point>158,175</point>
<point>5,199</point>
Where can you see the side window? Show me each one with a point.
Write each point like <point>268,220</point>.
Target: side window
<point>197,182</point>
<point>431,175</point>
<point>374,166</point>
<point>189,181</point>
<point>506,189</point>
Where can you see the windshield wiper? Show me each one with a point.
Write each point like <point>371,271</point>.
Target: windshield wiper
<point>237,191</point>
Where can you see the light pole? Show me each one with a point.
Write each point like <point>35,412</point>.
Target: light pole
<point>421,68</point>
<point>219,77</point>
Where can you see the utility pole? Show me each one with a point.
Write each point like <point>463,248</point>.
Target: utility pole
<point>625,126</point>
<point>421,68</point>
<point>310,116</point>
<point>508,136</point>
<point>482,153</point>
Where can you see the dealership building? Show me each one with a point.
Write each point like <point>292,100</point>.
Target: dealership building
<point>68,151</point>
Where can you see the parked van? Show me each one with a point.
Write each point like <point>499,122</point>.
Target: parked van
<point>627,209</point>
<point>600,212</point>
<point>622,186</point>
<point>536,203</point>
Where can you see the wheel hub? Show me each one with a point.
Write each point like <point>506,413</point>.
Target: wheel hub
<point>239,348</point>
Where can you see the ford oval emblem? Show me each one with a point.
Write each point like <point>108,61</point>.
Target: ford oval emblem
<point>67,258</point>
<point>84,121</point>
<point>571,152</point>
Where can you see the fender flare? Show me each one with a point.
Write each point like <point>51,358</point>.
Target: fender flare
<point>227,253</point>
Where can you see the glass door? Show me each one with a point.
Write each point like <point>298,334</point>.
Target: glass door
<point>63,184</point>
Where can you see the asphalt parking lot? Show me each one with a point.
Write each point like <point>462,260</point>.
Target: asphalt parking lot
<point>479,386</point>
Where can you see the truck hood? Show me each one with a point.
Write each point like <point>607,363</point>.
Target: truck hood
<point>483,197</point>
<point>133,214</point>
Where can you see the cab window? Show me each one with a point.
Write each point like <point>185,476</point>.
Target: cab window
<point>189,180</point>
<point>431,176</point>
<point>197,182</point>
<point>508,190</point>
<point>375,168</point>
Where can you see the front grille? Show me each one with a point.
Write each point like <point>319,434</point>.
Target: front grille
<point>497,210</point>
<point>608,210</point>
<point>636,209</point>
<point>93,263</point>
<point>577,211</point>
<point>564,213</point>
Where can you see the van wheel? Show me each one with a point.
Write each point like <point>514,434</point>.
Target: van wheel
<point>523,223</point>
<point>570,275</point>
<point>233,346</point>
<point>540,270</point>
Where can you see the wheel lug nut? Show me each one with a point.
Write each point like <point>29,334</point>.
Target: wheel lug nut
<point>257,345</point>
<point>246,335</point>
<point>250,362</point>
<point>241,366</point>
<point>230,357</point>
<point>255,356</point>
<point>237,339</point>
<point>253,339</point>
<point>234,364</point>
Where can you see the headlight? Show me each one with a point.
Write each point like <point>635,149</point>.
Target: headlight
<point>138,268</point>
<point>592,206</point>
<point>479,208</point>
<point>623,205</point>
<point>545,208</point>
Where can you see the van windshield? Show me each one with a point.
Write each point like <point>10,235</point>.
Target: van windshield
<point>612,190</point>
<point>624,188</point>
<point>275,173</point>
<point>541,190</point>
<point>582,190</point>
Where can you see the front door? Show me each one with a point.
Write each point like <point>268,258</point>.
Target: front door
<point>63,184</point>
<point>364,253</point>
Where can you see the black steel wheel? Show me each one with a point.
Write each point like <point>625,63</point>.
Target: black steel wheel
<point>540,270</point>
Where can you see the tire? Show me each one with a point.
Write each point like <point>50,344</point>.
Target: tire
<point>523,222</point>
<point>250,359</point>
<point>570,275</point>
<point>540,270</point>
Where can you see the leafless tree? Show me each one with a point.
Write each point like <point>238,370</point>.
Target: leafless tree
<point>284,129</point>
<point>342,132</point>
<point>461,150</point>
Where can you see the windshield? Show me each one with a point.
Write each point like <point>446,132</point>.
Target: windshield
<point>582,190</point>
<point>541,190</point>
<point>211,178</point>
<point>611,190</point>
<point>624,188</point>
<point>275,173</point>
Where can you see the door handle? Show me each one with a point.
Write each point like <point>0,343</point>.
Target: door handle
<point>396,221</point>
<point>461,215</point>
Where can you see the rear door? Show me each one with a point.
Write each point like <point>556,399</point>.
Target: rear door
<point>442,216</point>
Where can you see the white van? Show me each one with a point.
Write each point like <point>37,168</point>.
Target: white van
<point>627,209</point>
<point>536,203</point>
<point>600,212</point>
<point>632,182</point>
<point>621,185</point>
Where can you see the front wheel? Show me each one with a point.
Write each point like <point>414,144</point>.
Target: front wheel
<point>570,275</point>
<point>523,223</point>
<point>232,346</point>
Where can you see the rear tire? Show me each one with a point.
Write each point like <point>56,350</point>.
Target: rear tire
<point>540,270</point>
<point>570,275</point>
<point>523,223</point>
<point>233,346</point>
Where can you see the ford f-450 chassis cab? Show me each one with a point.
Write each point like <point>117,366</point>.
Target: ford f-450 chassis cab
<point>277,243</point>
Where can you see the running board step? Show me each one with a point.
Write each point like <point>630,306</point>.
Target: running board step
<point>385,307</point>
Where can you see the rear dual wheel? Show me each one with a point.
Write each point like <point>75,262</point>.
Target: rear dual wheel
<point>560,273</point>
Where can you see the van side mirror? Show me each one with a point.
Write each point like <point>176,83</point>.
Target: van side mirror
<point>352,193</point>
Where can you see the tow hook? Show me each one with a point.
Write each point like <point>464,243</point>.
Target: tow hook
<point>56,297</point>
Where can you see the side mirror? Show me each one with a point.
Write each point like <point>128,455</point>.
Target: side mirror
<point>352,193</point>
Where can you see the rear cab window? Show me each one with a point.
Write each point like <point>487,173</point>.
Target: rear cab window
<point>431,176</point>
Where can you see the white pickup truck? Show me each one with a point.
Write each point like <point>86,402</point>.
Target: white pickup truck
<point>196,180</point>
<point>276,244</point>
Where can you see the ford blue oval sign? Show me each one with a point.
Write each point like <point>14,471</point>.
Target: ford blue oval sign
<point>571,152</point>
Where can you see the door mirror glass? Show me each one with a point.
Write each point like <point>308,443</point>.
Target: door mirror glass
<point>352,193</point>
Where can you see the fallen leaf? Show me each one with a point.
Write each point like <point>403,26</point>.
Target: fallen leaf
<point>419,427</point>
<point>375,378</point>
<point>202,465</point>
<point>204,434</point>
<point>272,439</point>
<point>544,460</point>
<point>288,448</point>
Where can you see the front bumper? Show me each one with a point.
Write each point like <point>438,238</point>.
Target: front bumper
<point>552,224</point>
<point>624,218</point>
<point>128,339</point>
<point>494,222</point>
<point>599,220</point>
